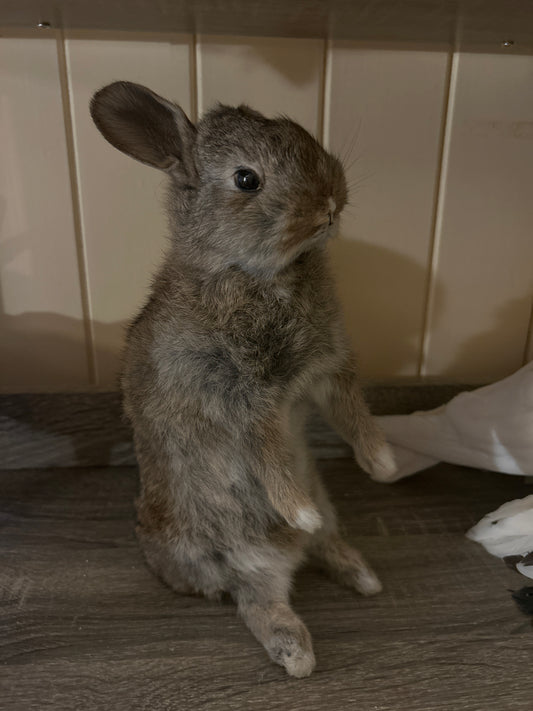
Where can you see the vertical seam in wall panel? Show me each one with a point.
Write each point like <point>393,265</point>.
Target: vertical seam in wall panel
<point>322,94</point>
<point>326,93</point>
<point>66,91</point>
<point>198,76</point>
<point>528,348</point>
<point>193,79</point>
<point>438,208</point>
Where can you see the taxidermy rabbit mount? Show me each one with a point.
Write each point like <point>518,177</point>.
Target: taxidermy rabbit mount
<point>241,336</point>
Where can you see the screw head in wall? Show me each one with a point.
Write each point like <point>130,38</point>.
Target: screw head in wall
<point>507,43</point>
<point>44,25</point>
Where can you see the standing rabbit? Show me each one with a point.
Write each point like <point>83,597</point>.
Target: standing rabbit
<point>241,336</point>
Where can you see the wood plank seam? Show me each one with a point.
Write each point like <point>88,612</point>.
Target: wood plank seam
<point>321,108</point>
<point>73,167</point>
<point>528,347</point>
<point>440,196</point>
<point>199,75</point>
<point>193,81</point>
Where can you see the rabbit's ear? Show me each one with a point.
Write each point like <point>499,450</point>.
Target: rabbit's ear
<point>147,127</point>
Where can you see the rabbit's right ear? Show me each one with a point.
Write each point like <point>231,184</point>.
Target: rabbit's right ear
<point>146,127</point>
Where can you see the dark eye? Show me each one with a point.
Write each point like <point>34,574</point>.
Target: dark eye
<point>247,180</point>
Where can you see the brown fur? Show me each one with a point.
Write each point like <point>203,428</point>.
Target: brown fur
<point>240,337</point>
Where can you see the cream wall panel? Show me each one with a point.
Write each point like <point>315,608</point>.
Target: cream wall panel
<point>484,261</point>
<point>383,117</point>
<point>273,75</point>
<point>123,225</point>
<point>42,343</point>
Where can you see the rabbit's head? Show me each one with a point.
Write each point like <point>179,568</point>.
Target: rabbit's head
<point>245,190</point>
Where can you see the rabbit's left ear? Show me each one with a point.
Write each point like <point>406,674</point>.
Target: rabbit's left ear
<point>147,127</point>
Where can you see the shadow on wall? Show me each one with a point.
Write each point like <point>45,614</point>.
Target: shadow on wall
<point>383,297</point>
<point>42,351</point>
<point>383,294</point>
<point>496,352</point>
<point>46,352</point>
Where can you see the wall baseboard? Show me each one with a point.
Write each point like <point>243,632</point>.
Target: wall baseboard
<point>88,429</point>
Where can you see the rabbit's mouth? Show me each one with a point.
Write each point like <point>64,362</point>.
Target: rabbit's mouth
<point>301,235</point>
<point>326,231</point>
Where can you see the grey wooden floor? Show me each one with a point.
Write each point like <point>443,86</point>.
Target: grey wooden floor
<point>86,626</point>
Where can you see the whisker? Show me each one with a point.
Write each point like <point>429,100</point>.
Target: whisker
<point>349,144</point>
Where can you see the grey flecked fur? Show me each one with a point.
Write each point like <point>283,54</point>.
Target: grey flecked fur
<point>241,335</point>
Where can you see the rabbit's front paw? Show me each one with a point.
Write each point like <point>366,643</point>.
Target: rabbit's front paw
<point>297,508</point>
<point>380,464</point>
<point>308,519</point>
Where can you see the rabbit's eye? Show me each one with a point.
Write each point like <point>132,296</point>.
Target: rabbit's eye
<point>247,180</point>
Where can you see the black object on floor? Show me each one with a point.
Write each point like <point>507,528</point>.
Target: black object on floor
<point>524,599</point>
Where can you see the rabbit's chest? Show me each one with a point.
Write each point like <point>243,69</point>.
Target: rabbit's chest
<point>281,348</point>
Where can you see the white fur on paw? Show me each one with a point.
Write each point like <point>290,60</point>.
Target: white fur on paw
<point>299,664</point>
<point>367,582</point>
<point>307,519</point>
<point>383,466</point>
